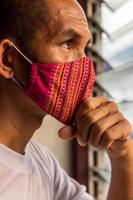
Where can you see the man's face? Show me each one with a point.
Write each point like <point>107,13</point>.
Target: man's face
<point>63,40</point>
<point>67,34</point>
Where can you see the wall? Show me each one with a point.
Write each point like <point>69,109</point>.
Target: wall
<point>48,136</point>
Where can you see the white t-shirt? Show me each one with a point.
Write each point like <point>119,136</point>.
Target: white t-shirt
<point>36,176</point>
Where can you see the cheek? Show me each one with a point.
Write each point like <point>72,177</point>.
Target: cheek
<point>49,52</point>
<point>54,54</point>
<point>61,55</point>
<point>58,55</point>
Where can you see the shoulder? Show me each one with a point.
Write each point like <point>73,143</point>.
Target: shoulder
<point>41,154</point>
<point>43,157</point>
<point>66,185</point>
<point>39,151</point>
<point>35,147</point>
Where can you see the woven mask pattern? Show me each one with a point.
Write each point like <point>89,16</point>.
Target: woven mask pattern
<point>60,88</point>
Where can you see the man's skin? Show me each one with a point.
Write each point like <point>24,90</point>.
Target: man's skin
<point>98,120</point>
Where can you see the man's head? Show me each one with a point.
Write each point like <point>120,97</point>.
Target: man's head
<point>41,20</point>
<point>46,31</point>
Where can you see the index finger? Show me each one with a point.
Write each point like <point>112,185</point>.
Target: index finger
<point>89,105</point>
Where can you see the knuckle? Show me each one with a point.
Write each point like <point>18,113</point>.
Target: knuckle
<point>93,101</point>
<point>128,126</point>
<point>83,133</point>
<point>120,115</point>
<point>95,115</point>
<point>88,104</point>
<point>113,106</point>
<point>79,127</point>
<point>106,141</point>
<point>108,135</point>
<point>104,98</point>
<point>91,117</point>
<point>127,122</point>
<point>96,127</point>
<point>101,100</point>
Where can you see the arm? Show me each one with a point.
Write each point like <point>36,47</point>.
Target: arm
<point>99,123</point>
<point>121,187</point>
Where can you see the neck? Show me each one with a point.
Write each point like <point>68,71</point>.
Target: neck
<point>11,136</point>
<point>19,118</point>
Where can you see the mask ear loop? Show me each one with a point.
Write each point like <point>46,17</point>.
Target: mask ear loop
<point>22,54</point>
<point>17,82</point>
<point>14,78</point>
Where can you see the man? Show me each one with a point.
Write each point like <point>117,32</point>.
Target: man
<point>51,31</point>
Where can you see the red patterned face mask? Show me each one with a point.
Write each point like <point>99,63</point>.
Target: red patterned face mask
<point>60,88</point>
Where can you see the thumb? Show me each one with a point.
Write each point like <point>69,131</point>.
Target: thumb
<point>67,132</point>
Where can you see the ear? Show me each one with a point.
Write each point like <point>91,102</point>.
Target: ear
<point>6,59</point>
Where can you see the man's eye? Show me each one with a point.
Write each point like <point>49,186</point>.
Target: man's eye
<point>67,44</point>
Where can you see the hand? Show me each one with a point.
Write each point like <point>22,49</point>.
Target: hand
<point>99,123</point>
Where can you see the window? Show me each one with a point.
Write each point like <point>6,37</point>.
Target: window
<point>94,8</point>
<point>95,158</point>
<point>95,189</point>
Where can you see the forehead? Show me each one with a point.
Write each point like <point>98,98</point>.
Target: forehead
<point>68,18</point>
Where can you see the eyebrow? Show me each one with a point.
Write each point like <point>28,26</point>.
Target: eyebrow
<point>73,33</point>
